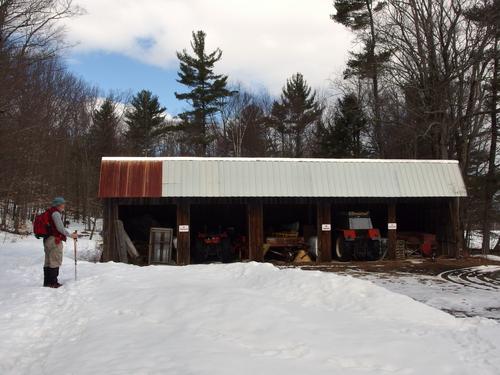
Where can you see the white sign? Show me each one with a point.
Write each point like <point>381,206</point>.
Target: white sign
<point>326,227</point>
<point>392,226</point>
<point>183,228</point>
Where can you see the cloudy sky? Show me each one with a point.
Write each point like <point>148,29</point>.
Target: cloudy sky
<point>130,44</point>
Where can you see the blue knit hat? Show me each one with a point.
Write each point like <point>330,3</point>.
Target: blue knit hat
<point>58,201</point>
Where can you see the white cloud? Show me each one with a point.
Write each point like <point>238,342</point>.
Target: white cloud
<point>263,41</point>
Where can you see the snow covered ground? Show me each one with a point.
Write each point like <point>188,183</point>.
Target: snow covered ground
<point>223,319</point>
<point>462,299</point>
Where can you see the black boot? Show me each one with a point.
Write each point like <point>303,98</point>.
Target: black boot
<point>46,276</point>
<point>57,275</point>
<point>53,278</point>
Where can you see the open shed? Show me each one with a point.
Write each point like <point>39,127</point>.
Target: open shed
<point>248,197</point>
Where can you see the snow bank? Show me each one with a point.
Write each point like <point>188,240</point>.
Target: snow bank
<point>495,258</point>
<point>224,319</point>
<point>476,239</point>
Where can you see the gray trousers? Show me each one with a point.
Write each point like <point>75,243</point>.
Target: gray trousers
<point>53,252</point>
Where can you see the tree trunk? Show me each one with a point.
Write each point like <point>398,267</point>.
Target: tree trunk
<point>376,99</point>
<point>490,186</point>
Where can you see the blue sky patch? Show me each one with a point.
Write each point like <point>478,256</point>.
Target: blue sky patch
<point>112,71</point>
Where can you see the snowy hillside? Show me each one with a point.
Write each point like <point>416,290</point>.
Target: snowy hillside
<point>223,319</point>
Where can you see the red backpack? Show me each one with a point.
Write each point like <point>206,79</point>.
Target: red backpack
<point>42,227</point>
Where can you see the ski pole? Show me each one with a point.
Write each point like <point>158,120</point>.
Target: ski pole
<point>74,243</point>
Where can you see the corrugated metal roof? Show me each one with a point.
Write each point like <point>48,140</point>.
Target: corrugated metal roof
<point>130,178</point>
<point>279,177</point>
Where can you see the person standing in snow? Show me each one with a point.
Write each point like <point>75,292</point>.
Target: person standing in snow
<point>53,244</point>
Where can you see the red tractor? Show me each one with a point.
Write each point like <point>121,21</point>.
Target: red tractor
<point>221,245</point>
<point>359,240</point>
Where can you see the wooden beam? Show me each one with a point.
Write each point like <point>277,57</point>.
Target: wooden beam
<point>255,231</point>
<point>183,237</point>
<point>458,238</point>
<point>121,247</point>
<point>110,214</point>
<point>105,231</point>
<point>391,231</point>
<point>324,226</point>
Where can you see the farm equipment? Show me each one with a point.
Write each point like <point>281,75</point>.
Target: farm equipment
<point>286,245</point>
<point>358,240</point>
<point>286,249</point>
<point>418,244</point>
<point>223,245</point>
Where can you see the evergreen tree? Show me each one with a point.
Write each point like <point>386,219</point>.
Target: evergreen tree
<point>342,138</point>
<point>145,120</point>
<point>254,139</point>
<point>206,90</point>
<point>104,130</point>
<point>358,15</point>
<point>103,140</point>
<point>291,116</point>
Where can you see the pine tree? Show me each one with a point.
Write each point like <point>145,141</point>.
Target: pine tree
<point>342,137</point>
<point>104,130</point>
<point>254,140</point>
<point>358,15</point>
<point>145,120</point>
<point>206,90</point>
<point>291,116</point>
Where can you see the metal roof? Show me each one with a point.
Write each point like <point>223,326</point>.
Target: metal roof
<point>280,177</point>
<point>130,178</point>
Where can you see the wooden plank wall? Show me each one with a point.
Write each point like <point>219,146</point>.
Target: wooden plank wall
<point>255,231</point>
<point>184,238</point>
<point>324,216</point>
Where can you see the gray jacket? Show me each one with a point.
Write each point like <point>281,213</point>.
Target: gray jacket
<point>57,218</point>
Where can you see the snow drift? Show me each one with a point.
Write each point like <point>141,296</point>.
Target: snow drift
<point>224,319</point>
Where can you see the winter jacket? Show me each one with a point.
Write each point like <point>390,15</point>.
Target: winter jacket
<point>58,231</point>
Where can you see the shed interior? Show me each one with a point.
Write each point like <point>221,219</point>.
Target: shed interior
<point>295,221</point>
<point>139,219</point>
<point>218,232</point>
<point>279,217</point>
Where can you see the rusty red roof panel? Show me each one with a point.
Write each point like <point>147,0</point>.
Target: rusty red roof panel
<point>130,179</point>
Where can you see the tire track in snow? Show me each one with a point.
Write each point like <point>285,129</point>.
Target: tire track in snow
<point>473,277</point>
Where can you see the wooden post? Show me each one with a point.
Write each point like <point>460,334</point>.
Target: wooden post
<point>391,231</point>
<point>458,238</point>
<point>110,214</point>
<point>121,247</point>
<point>183,234</point>
<point>324,224</point>
<point>105,231</point>
<point>255,231</point>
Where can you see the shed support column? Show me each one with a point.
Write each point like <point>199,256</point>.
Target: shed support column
<point>458,238</point>
<point>391,231</point>
<point>110,214</point>
<point>324,224</point>
<point>255,231</point>
<point>183,237</point>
